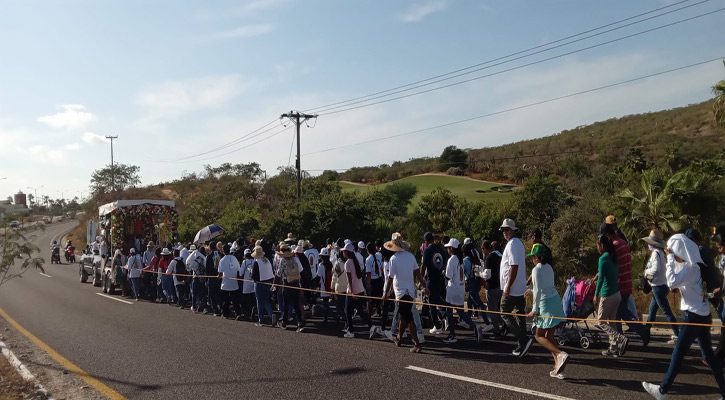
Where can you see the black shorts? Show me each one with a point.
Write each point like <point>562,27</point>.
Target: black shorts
<point>377,287</point>
<point>405,309</point>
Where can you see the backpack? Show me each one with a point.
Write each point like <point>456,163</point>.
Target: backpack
<point>181,269</point>
<point>306,269</point>
<point>290,269</point>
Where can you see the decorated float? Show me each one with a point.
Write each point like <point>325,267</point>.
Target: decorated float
<point>123,222</point>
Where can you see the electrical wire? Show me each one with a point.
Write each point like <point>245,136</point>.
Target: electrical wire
<point>515,53</point>
<point>522,66</point>
<point>515,108</point>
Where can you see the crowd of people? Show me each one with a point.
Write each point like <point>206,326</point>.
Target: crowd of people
<point>383,285</point>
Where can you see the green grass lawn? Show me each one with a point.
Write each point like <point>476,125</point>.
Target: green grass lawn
<point>469,189</point>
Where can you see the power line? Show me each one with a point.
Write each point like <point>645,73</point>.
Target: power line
<point>515,108</point>
<point>322,108</point>
<point>520,66</point>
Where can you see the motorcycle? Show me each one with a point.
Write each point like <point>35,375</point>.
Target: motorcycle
<point>70,255</point>
<point>55,255</point>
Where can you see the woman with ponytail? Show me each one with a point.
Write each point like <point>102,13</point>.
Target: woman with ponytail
<point>354,271</point>
<point>607,296</point>
<point>456,292</point>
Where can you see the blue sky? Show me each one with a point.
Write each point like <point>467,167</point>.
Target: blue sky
<point>176,78</point>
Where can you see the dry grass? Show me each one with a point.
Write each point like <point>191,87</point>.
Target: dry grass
<point>12,385</point>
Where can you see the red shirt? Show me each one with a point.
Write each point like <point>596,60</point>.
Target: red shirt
<point>624,259</point>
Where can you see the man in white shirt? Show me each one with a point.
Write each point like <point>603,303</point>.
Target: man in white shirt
<point>184,252</point>
<point>228,271</point>
<point>134,267</point>
<point>195,264</point>
<point>513,283</point>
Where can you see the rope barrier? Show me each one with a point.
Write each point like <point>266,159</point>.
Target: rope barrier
<point>415,302</point>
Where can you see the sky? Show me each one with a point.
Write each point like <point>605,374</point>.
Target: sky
<point>179,80</point>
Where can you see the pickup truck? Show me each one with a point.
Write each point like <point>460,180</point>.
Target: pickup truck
<point>91,264</point>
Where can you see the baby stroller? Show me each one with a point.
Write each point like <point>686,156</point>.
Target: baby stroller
<point>578,303</point>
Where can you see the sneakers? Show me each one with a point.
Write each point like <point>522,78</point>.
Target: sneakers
<point>553,374</point>
<point>238,318</point>
<point>450,339</point>
<point>517,351</point>
<point>436,331</point>
<point>389,335</point>
<point>415,349</point>
<point>373,330</point>
<point>300,329</point>
<point>610,353</point>
<point>561,361</point>
<point>622,346</point>
<point>526,348</point>
<point>654,390</point>
<point>283,325</point>
<point>486,328</point>
<point>464,325</point>
<point>349,335</point>
<point>673,340</point>
<point>259,324</point>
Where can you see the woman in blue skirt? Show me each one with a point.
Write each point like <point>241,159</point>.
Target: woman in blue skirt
<point>547,309</point>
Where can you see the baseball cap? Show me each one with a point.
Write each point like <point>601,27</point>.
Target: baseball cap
<point>428,236</point>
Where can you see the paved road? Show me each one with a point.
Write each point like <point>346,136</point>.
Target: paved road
<point>149,351</point>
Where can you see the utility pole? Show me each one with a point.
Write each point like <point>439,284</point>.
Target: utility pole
<point>113,173</point>
<point>298,118</point>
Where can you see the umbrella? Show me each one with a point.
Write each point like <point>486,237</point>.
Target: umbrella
<point>208,232</point>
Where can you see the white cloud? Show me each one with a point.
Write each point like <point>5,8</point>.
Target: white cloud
<point>72,146</point>
<point>172,98</point>
<point>420,11</point>
<point>73,117</point>
<point>94,138</point>
<point>46,153</point>
<point>260,5</point>
<point>245,31</point>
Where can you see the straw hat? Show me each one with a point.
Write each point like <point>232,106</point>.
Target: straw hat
<point>397,243</point>
<point>258,252</point>
<point>285,252</point>
<point>290,239</point>
<point>165,251</point>
<point>509,223</point>
<point>308,245</point>
<point>655,238</point>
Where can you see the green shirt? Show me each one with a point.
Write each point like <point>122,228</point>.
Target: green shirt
<point>608,275</point>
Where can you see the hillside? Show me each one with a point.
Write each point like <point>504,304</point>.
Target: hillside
<point>469,189</point>
<point>670,139</point>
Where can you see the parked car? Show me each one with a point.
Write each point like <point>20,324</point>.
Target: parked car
<point>91,265</point>
<point>47,219</point>
<point>15,224</point>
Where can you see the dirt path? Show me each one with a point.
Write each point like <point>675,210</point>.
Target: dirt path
<point>433,174</point>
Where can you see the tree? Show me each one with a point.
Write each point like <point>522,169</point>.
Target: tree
<point>719,105</point>
<point>17,248</point>
<point>540,201</point>
<point>635,160</point>
<point>114,179</point>
<point>240,219</point>
<point>451,157</point>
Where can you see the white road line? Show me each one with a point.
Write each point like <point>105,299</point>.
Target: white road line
<point>113,298</point>
<point>45,275</point>
<point>487,383</point>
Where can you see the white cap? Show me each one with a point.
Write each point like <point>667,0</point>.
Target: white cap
<point>247,251</point>
<point>325,252</point>
<point>453,243</point>
<point>349,247</point>
<point>348,241</point>
<point>509,223</point>
<point>361,245</point>
<point>467,241</point>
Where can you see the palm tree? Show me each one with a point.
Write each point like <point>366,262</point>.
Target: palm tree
<point>719,105</point>
<point>654,205</point>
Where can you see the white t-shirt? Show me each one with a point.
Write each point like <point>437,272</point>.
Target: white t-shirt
<point>265,269</point>
<point>456,290</point>
<point>322,273</point>
<point>184,253</point>
<point>134,265</point>
<point>228,267</point>
<point>248,283</point>
<point>178,280</point>
<point>402,269</point>
<point>514,254</point>
<point>370,266</point>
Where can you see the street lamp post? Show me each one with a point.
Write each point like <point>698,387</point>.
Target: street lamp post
<point>35,198</point>
<point>62,194</point>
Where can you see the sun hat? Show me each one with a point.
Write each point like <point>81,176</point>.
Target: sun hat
<point>164,252</point>
<point>285,252</point>
<point>361,245</point>
<point>611,219</point>
<point>192,247</point>
<point>349,247</point>
<point>538,251</point>
<point>289,239</point>
<point>300,249</point>
<point>325,252</point>
<point>258,252</point>
<point>301,243</point>
<point>308,245</point>
<point>454,243</point>
<point>509,223</point>
<point>396,243</point>
<point>655,238</point>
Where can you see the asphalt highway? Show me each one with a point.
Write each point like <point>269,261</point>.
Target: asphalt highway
<point>145,350</point>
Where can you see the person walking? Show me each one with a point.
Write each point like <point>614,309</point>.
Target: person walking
<point>197,263</point>
<point>683,255</point>
<point>354,272</point>
<point>339,283</point>
<point>177,269</point>
<point>607,297</point>
<point>263,277</point>
<point>167,281</point>
<point>228,273</point>
<point>247,291</point>
<point>513,281</point>
<point>374,273</point>
<point>289,274</point>
<point>119,272</point>
<point>456,291</point>
<point>491,274</point>
<point>547,308</point>
<point>655,273</point>
<point>134,267</point>
<point>324,273</point>
<point>401,279</point>
<point>148,277</point>
<point>213,283</point>
<point>472,262</point>
<point>433,266</point>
